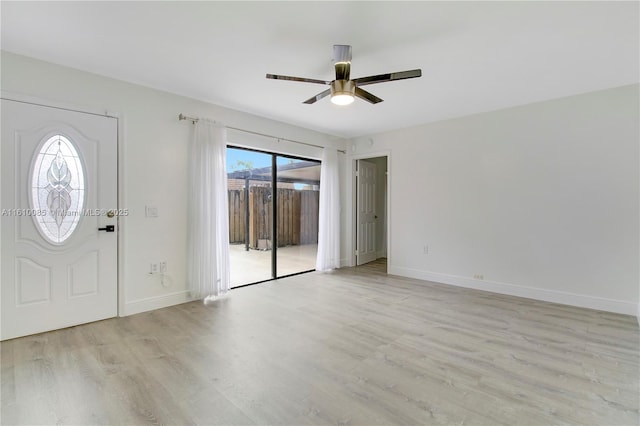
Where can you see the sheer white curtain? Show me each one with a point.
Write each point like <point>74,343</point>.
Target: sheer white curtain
<point>329,215</point>
<point>208,238</point>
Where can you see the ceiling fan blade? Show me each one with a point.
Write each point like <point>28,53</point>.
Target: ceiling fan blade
<point>304,80</point>
<point>317,97</point>
<point>369,97</point>
<point>381,78</point>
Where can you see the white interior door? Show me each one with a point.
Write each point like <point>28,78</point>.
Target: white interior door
<point>59,186</point>
<point>366,212</point>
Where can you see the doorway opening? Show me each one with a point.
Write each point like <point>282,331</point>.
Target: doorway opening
<point>371,211</point>
<point>273,215</point>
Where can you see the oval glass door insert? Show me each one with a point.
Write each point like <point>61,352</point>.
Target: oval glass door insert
<point>57,189</point>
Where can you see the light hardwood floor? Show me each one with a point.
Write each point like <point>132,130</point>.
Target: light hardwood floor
<point>353,347</point>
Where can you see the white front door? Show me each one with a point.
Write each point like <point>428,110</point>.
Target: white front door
<point>59,182</point>
<point>366,212</point>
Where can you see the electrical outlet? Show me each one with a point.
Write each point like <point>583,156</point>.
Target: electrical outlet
<point>478,277</point>
<point>154,268</point>
<point>425,250</point>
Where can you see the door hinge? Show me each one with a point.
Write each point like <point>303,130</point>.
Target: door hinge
<point>356,252</point>
<point>357,173</point>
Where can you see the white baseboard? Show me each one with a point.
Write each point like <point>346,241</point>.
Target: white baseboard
<point>565,298</point>
<point>156,302</point>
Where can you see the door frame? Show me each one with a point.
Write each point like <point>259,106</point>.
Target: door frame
<point>274,228</point>
<point>352,204</point>
<point>120,125</point>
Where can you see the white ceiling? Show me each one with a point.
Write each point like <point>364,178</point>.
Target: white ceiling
<point>475,56</point>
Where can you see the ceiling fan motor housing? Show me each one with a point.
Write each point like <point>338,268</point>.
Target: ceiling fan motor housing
<point>343,87</point>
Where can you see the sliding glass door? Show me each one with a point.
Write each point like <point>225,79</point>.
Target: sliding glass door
<point>298,184</point>
<point>249,181</point>
<point>271,233</point>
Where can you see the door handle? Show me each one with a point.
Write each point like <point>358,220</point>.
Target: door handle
<point>108,228</point>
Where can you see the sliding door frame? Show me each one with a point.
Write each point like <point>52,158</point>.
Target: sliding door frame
<point>274,211</point>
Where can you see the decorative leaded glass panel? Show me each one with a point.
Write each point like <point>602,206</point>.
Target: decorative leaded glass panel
<point>57,189</point>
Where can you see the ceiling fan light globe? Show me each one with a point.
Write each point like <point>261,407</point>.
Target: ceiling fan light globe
<point>342,99</point>
<point>342,92</point>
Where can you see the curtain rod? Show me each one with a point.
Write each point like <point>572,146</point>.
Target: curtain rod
<point>194,120</point>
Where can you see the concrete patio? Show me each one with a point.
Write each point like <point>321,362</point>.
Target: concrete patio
<point>255,265</point>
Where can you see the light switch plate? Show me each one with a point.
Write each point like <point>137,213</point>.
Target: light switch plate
<point>151,211</point>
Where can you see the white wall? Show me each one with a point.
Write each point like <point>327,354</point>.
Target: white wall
<point>542,200</point>
<point>153,163</point>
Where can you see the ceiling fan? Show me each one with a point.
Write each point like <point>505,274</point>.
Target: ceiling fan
<point>343,89</point>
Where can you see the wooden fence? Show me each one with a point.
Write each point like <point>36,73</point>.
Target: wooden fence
<point>297,217</point>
